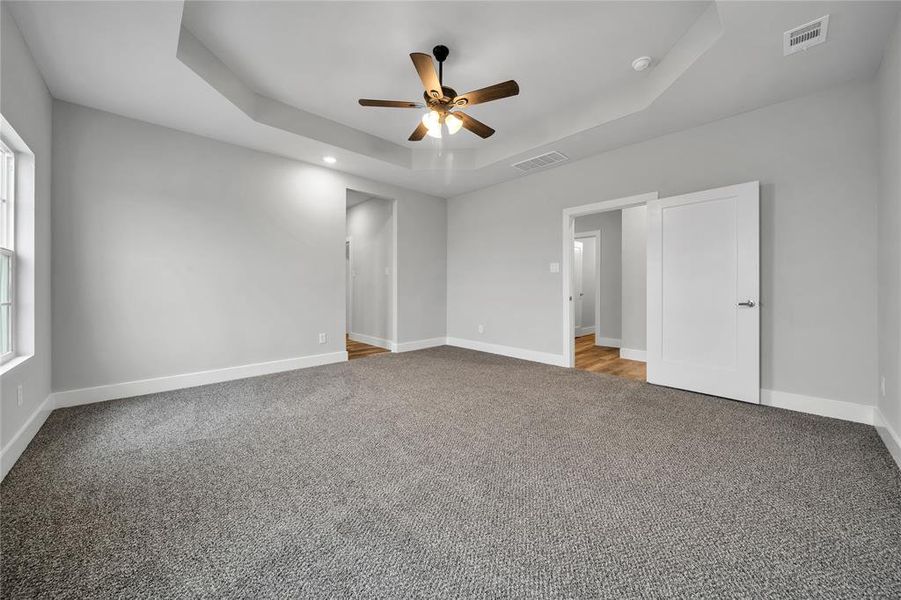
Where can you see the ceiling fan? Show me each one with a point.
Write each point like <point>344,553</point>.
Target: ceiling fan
<point>440,99</point>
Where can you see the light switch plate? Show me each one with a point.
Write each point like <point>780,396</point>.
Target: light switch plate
<point>555,267</point>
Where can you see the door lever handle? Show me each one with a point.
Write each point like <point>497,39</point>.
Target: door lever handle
<point>748,303</point>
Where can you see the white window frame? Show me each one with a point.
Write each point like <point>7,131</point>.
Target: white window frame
<point>7,241</point>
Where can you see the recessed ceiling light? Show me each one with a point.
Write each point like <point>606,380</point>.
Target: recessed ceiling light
<point>641,63</point>
<point>329,159</point>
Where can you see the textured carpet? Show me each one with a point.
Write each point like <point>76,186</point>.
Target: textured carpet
<point>448,473</point>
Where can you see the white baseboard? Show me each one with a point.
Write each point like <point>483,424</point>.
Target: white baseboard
<point>584,330</point>
<point>174,382</point>
<point>632,354</point>
<point>420,344</point>
<point>16,446</point>
<point>609,342</point>
<point>889,436</point>
<point>372,340</point>
<point>837,409</point>
<point>533,355</point>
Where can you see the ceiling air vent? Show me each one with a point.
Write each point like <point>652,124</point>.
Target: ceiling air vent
<point>540,161</point>
<point>805,36</point>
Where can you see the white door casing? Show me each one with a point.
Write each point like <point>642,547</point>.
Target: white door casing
<point>703,292</point>
<point>568,235</point>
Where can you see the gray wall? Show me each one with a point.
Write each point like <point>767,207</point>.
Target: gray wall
<point>609,224</point>
<point>635,278</point>
<point>816,160</point>
<point>26,103</point>
<point>371,230</point>
<point>889,82</point>
<point>173,253</point>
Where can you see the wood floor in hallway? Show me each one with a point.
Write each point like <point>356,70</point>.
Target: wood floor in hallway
<point>604,359</point>
<point>361,350</point>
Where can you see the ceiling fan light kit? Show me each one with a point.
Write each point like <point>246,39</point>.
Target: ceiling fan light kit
<point>441,100</point>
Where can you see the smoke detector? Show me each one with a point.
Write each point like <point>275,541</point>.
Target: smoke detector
<point>641,63</point>
<point>805,36</point>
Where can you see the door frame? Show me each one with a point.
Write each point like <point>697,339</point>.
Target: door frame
<point>393,311</point>
<point>569,218</point>
<point>596,234</point>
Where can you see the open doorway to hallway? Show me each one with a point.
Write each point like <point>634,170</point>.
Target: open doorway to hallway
<point>608,292</point>
<point>370,264</point>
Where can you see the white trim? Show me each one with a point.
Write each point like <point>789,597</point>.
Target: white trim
<point>889,436</point>
<point>16,446</point>
<point>608,342</point>
<point>371,340</point>
<point>532,355</point>
<point>141,387</point>
<point>633,354</point>
<point>836,409</point>
<point>587,330</point>
<point>569,216</point>
<point>420,344</point>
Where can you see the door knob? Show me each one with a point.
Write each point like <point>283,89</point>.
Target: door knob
<point>748,303</point>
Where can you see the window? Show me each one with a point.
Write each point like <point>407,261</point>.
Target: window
<point>7,252</point>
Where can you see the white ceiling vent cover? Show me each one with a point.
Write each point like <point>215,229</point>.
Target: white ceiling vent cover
<point>805,36</point>
<point>541,161</point>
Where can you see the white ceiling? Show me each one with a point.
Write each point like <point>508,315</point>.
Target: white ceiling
<point>324,57</point>
<point>578,96</point>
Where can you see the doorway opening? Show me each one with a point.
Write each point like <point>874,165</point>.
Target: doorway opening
<point>604,275</point>
<point>370,253</point>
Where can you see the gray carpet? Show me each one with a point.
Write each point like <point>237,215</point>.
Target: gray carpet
<point>448,473</point>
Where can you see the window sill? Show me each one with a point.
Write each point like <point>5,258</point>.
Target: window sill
<point>13,363</point>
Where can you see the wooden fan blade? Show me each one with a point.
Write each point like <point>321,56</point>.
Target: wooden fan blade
<point>427,73</point>
<point>492,92</point>
<point>418,133</point>
<point>389,103</point>
<point>475,126</point>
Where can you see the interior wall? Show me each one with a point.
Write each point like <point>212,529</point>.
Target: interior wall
<point>610,225</point>
<point>818,231</point>
<point>26,104</point>
<point>174,253</point>
<point>889,219</point>
<point>635,278</point>
<point>370,227</point>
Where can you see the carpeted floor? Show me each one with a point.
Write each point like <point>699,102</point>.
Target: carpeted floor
<point>448,473</point>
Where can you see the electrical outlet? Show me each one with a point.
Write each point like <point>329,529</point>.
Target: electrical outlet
<point>555,267</point>
<point>20,394</point>
<point>882,385</point>
<point>481,328</point>
<point>323,338</point>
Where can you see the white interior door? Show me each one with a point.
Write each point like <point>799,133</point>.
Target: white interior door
<point>703,291</point>
<point>578,292</point>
